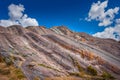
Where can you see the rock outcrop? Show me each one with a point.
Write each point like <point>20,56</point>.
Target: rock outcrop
<point>58,52</point>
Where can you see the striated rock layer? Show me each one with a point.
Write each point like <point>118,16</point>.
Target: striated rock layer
<point>57,52</point>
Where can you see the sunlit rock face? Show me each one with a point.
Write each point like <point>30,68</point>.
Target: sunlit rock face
<point>41,52</point>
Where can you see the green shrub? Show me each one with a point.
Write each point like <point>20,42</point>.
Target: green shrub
<point>91,71</point>
<point>107,76</point>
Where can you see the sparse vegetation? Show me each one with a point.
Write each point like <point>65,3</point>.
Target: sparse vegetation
<point>8,61</point>
<point>82,54</point>
<point>91,71</point>
<point>1,59</point>
<point>75,74</point>
<point>24,55</point>
<point>81,70</point>
<point>79,66</point>
<point>63,78</point>
<point>49,67</point>
<point>107,76</point>
<point>19,73</point>
<point>4,71</point>
<point>76,64</point>
<point>8,71</point>
<point>36,78</point>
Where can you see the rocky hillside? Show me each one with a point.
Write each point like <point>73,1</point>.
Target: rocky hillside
<point>59,54</point>
<point>108,45</point>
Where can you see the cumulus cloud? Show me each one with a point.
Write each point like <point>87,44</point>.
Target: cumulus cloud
<point>110,32</point>
<point>6,23</point>
<point>99,13</point>
<point>17,17</point>
<point>16,11</point>
<point>106,17</point>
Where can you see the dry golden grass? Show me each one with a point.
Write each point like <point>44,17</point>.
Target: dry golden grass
<point>63,78</point>
<point>10,72</point>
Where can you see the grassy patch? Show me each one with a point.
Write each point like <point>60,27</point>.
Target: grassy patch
<point>19,73</point>
<point>107,76</point>
<point>7,70</point>
<point>76,64</point>
<point>91,71</point>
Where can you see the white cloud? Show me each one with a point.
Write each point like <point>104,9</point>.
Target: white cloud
<point>7,23</point>
<point>118,21</point>
<point>17,17</point>
<point>16,11</point>
<point>27,21</point>
<point>97,12</point>
<point>105,17</point>
<point>110,32</point>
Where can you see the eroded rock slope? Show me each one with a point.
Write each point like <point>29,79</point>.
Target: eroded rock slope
<point>57,52</point>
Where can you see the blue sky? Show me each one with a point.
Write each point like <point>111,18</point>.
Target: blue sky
<point>71,13</point>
